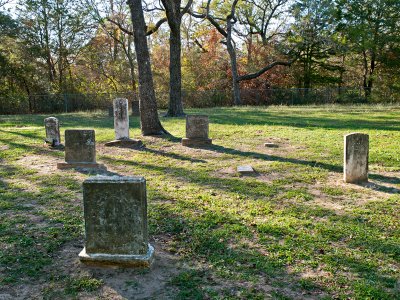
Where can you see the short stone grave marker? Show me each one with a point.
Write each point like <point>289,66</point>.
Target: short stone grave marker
<point>80,150</point>
<point>247,169</point>
<point>197,127</point>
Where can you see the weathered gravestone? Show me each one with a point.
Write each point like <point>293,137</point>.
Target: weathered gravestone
<point>80,150</point>
<point>115,210</point>
<point>52,127</point>
<point>121,125</point>
<point>356,149</point>
<point>135,108</point>
<point>196,131</point>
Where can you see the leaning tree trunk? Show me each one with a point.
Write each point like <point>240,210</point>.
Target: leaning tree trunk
<point>150,123</point>
<point>175,108</point>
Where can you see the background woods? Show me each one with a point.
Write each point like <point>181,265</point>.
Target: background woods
<point>59,55</point>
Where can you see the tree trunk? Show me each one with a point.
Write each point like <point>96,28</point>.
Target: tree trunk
<point>175,108</point>
<point>232,54</point>
<point>367,80</point>
<point>150,123</point>
<point>174,19</point>
<point>50,66</point>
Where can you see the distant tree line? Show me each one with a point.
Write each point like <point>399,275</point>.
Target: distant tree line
<point>88,46</point>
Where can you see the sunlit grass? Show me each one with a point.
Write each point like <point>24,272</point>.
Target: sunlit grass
<point>294,227</point>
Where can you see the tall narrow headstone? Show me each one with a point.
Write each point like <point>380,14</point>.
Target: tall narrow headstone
<point>135,108</point>
<point>80,150</point>
<point>121,125</point>
<point>52,127</point>
<point>356,149</point>
<point>115,210</point>
<point>196,131</point>
<point>121,119</point>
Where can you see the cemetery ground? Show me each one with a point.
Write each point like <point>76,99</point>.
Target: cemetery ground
<point>293,230</point>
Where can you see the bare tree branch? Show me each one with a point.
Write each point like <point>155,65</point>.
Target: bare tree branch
<point>265,69</point>
<point>156,26</point>
<point>120,26</point>
<point>148,32</point>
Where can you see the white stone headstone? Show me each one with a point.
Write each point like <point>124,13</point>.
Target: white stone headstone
<point>121,119</point>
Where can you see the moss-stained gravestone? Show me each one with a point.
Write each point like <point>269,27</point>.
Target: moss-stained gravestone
<point>80,150</point>
<point>52,127</point>
<point>196,131</point>
<point>115,210</point>
<point>356,149</point>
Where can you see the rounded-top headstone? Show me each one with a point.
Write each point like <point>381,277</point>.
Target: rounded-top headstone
<point>356,150</point>
<point>52,127</point>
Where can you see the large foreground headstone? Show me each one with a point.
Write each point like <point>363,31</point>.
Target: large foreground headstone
<point>52,127</point>
<point>115,210</point>
<point>356,149</point>
<point>121,125</point>
<point>196,131</point>
<point>80,150</point>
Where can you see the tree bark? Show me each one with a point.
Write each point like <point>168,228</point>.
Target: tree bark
<point>150,123</point>
<point>232,55</point>
<point>235,82</point>
<point>175,107</point>
<point>174,19</point>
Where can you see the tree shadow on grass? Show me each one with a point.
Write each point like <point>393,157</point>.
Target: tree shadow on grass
<point>214,237</point>
<point>314,164</point>
<point>24,134</point>
<point>172,155</point>
<point>293,119</point>
<point>168,137</point>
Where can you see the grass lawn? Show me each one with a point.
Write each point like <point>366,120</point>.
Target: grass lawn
<point>293,230</point>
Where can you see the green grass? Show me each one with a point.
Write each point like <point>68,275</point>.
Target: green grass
<point>293,230</point>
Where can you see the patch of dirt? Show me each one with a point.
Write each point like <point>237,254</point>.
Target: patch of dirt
<point>118,283</point>
<point>226,172</point>
<point>126,283</point>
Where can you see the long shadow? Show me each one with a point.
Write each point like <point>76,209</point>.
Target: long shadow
<point>379,187</point>
<point>169,137</point>
<point>314,164</point>
<point>171,155</point>
<point>386,179</point>
<point>257,155</point>
<point>292,119</point>
<point>36,149</point>
<point>215,248</point>
<point>28,135</point>
<point>66,120</point>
